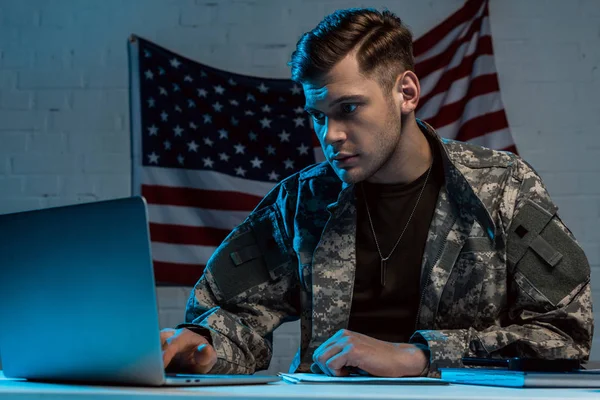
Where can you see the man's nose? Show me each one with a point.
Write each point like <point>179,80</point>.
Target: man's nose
<point>333,132</point>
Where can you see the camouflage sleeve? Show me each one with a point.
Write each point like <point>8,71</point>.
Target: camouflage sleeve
<point>549,303</point>
<point>247,289</point>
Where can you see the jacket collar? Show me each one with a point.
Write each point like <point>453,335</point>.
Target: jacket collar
<point>459,190</point>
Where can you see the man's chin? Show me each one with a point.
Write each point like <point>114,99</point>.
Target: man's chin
<point>349,176</point>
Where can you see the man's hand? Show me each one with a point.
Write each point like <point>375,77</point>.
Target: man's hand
<point>186,352</point>
<point>348,349</point>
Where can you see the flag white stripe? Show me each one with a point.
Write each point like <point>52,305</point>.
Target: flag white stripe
<point>476,107</point>
<point>483,65</point>
<point>455,34</point>
<point>495,140</point>
<point>319,156</point>
<point>466,49</point>
<point>206,180</point>
<point>181,254</point>
<point>196,217</point>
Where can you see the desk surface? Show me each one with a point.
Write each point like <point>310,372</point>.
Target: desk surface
<point>21,390</point>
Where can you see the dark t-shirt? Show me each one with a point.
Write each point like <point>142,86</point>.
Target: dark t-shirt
<point>389,312</point>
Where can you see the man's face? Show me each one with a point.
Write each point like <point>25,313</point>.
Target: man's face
<point>357,125</point>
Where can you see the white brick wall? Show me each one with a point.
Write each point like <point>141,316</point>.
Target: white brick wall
<point>64,123</point>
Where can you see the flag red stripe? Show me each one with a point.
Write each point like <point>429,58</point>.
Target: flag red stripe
<point>512,149</point>
<point>194,235</point>
<point>449,113</point>
<point>484,46</point>
<point>177,274</point>
<point>432,64</point>
<point>490,122</point>
<point>200,198</point>
<point>315,141</point>
<point>431,38</point>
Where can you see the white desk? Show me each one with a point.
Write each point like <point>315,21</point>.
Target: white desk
<point>21,390</point>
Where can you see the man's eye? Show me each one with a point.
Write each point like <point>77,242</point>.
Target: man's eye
<point>349,108</point>
<point>317,116</point>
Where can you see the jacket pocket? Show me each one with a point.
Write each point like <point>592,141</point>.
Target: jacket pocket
<point>461,303</point>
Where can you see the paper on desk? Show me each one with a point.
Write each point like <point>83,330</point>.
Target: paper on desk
<point>318,378</point>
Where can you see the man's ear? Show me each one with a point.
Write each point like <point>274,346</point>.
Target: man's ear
<point>408,91</point>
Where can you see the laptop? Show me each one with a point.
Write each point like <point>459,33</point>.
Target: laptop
<point>78,300</point>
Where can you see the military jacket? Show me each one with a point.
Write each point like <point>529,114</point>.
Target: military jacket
<point>501,274</point>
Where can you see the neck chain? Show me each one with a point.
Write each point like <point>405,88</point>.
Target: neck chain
<point>382,258</point>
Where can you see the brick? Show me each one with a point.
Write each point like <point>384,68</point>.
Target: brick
<point>33,38</point>
<point>9,36</point>
<point>117,143</point>
<point>171,38</point>
<point>56,17</point>
<point>22,120</point>
<point>555,159</point>
<point>264,25</point>
<point>106,163</point>
<point>106,78</point>
<point>52,57</point>
<point>16,100</point>
<point>43,186</point>
<point>535,61</point>
<point>198,15</point>
<point>50,79</point>
<point>17,204</point>
<point>11,186</point>
<point>114,56</point>
<point>592,251</point>
<point>67,201</point>
<point>172,297</point>
<point>16,58</point>
<point>170,318</point>
<point>88,56</point>
<point>49,143</point>
<point>113,185</point>
<point>588,228</point>
<point>13,142</point>
<point>110,100</point>
<point>77,185</point>
<point>99,142</point>
<point>20,15</point>
<point>589,8</point>
<point>8,79</point>
<point>52,100</point>
<point>4,165</point>
<point>239,57</point>
<point>581,182</point>
<point>578,206</point>
<point>267,56</point>
<point>83,122</point>
<point>31,163</point>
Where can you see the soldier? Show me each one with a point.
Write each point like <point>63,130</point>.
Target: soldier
<point>400,254</point>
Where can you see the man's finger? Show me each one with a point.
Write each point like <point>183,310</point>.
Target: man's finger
<point>338,363</point>
<point>164,335</point>
<point>323,357</point>
<point>170,350</point>
<point>205,357</point>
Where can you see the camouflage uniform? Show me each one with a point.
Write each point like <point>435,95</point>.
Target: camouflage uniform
<point>501,274</point>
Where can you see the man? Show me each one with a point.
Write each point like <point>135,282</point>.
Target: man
<point>402,253</point>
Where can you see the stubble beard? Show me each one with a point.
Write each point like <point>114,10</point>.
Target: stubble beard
<point>387,147</point>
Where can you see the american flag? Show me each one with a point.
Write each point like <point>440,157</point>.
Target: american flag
<point>460,95</point>
<point>207,144</point>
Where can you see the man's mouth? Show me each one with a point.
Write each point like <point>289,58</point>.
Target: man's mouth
<point>344,159</point>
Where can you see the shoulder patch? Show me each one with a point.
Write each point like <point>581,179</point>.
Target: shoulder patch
<point>475,156</point>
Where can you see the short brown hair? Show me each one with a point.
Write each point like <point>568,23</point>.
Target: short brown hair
<point>382,42</point>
